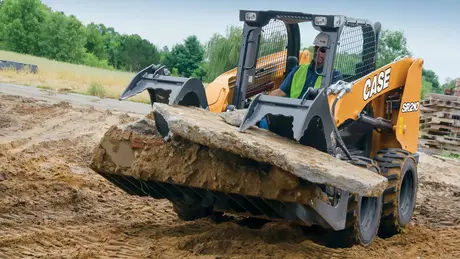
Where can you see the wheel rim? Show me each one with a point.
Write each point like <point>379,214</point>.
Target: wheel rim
<point>406,195</point>
<point>368,213</point>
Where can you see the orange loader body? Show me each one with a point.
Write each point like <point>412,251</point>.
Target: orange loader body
<point>404,80</point>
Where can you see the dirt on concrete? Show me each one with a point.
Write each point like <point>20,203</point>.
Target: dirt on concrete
<point>126,150</point>
<point>52,205</point>
<point>209,129</point>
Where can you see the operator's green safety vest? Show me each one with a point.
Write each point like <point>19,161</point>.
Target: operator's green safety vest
<point>298,81</point>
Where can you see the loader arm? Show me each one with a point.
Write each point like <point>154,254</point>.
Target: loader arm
<point>393,94</point>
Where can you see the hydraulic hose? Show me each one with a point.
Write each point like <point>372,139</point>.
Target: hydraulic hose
<point>336,131</point>
<point>333,107</point>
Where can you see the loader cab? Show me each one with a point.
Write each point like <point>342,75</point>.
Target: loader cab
<point>271,48</point>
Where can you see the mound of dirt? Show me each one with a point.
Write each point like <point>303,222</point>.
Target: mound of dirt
<point>438,198</point>
<point>52,205</point>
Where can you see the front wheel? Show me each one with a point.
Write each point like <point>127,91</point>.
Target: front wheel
<point>363,213</point>
<point>369,210</point>
<point>399,199</point>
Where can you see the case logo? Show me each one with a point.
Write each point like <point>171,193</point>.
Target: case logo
<point>410,107</point>
<point>377,84</point>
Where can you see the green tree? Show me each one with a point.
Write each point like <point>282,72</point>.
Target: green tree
<point>137,53</point>
<point>392,44</point>
<point>106,46</point>
<point>20,25</point>
<point>63,38</point>
<point>194,56</point>
<point>186,57</point>
<point>311,48</point>
<point>164,54</point>
<point>95,42</point>
<point>430,76</point>
<point>201,71</point>
<point>223,52</point>
<point>30,27</point>
<point>427,87</point>
<point>449,84</point>
<point>272,43</point>
<point>169,58</point>
<point>113,46</point>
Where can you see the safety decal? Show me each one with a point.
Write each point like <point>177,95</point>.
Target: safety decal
<point>401,125</point>
<point>376,84</point>
<point>410,107</point>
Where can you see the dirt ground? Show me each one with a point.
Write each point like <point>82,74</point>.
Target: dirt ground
<point>53,206</point>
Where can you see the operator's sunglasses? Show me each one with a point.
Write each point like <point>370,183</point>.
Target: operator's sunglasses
<point>322,50</point>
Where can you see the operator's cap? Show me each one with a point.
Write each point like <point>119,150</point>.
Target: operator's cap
<point>321,40</point>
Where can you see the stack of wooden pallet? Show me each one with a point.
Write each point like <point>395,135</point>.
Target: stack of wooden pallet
<point>440,124</point>
<point>457,87</point>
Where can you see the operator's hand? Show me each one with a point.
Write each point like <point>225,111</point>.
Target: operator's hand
<point>278,92</point>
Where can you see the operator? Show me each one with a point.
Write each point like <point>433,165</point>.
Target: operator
<point>304,76</point>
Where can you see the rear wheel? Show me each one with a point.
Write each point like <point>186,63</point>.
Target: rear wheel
<point>399,199</point>
<point>364,213</point>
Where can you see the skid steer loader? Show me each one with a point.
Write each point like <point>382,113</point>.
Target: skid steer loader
<point>361,128</point>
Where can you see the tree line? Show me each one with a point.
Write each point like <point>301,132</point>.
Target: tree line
<point>30,27</point>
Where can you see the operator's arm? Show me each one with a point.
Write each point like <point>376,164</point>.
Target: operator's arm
<point>285,87</point>
<point>278,92</point>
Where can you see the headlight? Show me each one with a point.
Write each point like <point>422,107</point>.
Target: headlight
<point>320,20</point>
<point>250,16</point>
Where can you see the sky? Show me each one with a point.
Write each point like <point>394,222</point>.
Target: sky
<point>431,28</point>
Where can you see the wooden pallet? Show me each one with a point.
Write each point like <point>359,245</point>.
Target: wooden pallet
<point>441,103</point>
<point>455,114</point>
<point>426,143</point>
<point>441,139</point>
<point>439,129</point>
<point>440,123</point>
<point>442,97</point>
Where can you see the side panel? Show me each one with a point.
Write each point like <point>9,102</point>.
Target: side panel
<point>218,93</point>
<point>370,87</point>
<point>376,89</point>
<point>407,127</point>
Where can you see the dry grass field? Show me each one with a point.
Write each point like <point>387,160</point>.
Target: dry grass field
<point>66,77</point>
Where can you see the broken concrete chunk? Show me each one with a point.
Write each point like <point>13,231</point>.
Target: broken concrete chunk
<point>144,126</point>
<point>234,118</point>
<point>210,129</point>
<point>186,163</point>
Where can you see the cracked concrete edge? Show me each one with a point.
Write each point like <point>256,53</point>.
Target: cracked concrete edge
<point>209,129</point>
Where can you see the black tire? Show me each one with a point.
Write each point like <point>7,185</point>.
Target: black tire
<point>187,212</point>
<point>399,199</point>
<point>363,214</point>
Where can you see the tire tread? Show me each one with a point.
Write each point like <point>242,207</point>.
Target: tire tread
<point>391,161</point>
<point>351,234</point>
